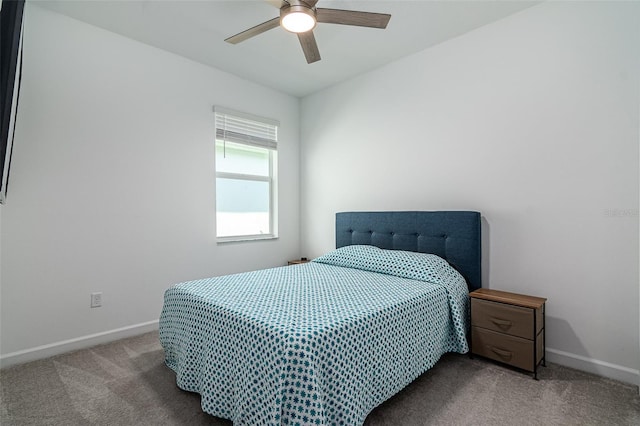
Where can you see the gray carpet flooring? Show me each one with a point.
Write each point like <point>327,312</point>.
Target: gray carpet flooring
<point>127,383</point>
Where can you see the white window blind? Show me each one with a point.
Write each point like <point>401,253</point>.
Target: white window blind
<point>246,129</point>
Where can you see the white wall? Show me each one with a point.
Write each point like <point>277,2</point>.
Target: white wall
<point>533,121</point>
<point>113,187</point>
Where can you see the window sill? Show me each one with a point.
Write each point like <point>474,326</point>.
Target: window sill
<point>245,238</point>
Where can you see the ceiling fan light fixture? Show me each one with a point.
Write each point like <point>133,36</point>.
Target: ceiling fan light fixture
<point>301,17</point>
<point>297,19</point>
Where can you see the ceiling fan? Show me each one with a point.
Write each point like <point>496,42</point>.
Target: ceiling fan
<point>301,17</point>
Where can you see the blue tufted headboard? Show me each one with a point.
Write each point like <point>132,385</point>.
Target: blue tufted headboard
<point>452,235</point>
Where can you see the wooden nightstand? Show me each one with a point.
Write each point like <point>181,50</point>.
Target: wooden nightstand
<point>297,261</point>
<point>509,328</point>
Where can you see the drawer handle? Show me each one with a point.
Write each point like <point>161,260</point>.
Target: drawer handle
<point>504,324</point>
<point>502,353</point>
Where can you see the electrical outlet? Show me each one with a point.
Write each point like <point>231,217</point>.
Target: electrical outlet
<point>96,300</point>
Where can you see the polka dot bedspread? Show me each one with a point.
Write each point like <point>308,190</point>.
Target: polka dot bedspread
<point>321,343</point>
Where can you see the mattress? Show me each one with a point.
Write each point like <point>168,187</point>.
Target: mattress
<point>313,344</point>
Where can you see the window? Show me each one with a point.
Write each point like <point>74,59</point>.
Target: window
<point>246,164</point>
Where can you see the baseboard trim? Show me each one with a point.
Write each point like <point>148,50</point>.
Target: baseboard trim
<point>595,366</point>
<point>57,348</point>
<point>590,365</point>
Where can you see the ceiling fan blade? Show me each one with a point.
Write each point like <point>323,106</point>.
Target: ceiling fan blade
<point>352,17</point>
<point>309,46</point>
<point>251,32</point>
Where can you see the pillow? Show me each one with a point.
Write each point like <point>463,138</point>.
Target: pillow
<point>405,264</point>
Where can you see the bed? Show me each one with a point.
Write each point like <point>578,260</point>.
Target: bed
<point>325,342</point>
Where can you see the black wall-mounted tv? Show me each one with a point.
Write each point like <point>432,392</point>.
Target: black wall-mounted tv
<point>11,12</point>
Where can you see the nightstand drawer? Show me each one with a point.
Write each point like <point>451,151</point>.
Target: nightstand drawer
<point>503,318</point>
<point>511,350</point>
<point>509,328</point>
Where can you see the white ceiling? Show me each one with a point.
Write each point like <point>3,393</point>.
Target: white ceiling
<point>197,29</point>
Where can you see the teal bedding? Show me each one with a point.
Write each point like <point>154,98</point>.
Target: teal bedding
<point>321,343</point>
